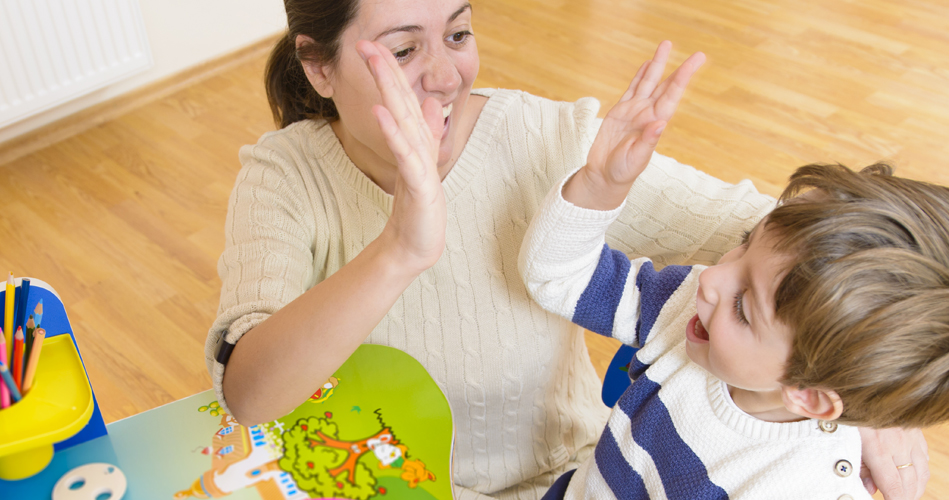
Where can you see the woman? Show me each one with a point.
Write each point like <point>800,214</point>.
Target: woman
<point>333,240</point>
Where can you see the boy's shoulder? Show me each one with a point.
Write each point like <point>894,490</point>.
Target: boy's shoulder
<point>685,420</point>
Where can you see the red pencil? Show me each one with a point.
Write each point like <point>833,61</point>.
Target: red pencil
<point>16,364</point>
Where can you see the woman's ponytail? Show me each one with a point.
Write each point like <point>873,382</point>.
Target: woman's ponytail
<point>289,93</point>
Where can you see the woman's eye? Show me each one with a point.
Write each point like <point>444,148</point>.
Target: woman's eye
<point>460,37</point>
<point>740,308</point>
<point>403,54</point>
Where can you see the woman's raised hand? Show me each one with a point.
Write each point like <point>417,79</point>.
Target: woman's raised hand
<point>412,132</point>
<point>631,130</point>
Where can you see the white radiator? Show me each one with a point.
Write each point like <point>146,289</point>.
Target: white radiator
<point>52,51</point>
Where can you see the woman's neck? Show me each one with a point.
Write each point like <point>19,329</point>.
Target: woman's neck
<point>763,405</point>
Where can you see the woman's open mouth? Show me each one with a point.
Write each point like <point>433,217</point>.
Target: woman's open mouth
<point>446,113</point>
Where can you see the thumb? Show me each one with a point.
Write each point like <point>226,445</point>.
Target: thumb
<point>867,480</point>
<point>432,112</point>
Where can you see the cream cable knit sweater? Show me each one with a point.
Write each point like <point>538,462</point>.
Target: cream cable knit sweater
<point>524,396</point>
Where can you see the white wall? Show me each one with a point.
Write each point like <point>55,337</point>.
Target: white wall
<point>182,34</point>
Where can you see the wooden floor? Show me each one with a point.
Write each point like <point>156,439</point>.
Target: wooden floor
<point>126,219</point>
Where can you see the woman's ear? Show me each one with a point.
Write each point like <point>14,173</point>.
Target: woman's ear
<point>317,74</point>
<point>813,402</point>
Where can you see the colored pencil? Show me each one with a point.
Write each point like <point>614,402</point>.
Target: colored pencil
<point>34,360</point>
<point>8,314</point>
<point>16,364</point>
<point>22,302</point>
<point>4,392</point>
<point>38,313</point>
<point>28,341</point>
<point>10,384</point>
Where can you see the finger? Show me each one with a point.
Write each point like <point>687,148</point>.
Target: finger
<point>393,97</point>
<point>641,150</point>
<point>397,94</point>
<point>401,103</point>
<point>920,458</point>
<point>878,458</point>
<point>432,113</point>
<point>670,91</point>
<point>654,72</point>
<point>401,81</point>
<point>867,480</point>
<point>411,168</point>
<point>633,84</point>
<point>908,481</point>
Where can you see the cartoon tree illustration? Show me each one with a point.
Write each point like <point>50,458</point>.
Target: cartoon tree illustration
<point>324,465</point>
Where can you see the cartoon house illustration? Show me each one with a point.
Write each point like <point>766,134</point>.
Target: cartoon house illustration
<point>243,457</point>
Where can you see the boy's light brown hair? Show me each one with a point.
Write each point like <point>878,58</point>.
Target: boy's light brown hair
<point>867,294</point>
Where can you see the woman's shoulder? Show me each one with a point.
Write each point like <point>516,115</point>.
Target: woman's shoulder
<point>293,146</point>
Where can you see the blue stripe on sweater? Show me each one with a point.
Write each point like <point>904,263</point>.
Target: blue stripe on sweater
<point>683,474</point>
<point>636,367</point>
<point>597,305</point>
<point>655,288</point>
<point>619,476</point>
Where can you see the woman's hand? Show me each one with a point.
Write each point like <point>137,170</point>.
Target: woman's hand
<point>416,227</point>
<point>631,130</point>
<point>884,450</point>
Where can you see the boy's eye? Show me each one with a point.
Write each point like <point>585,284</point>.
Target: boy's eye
<point>745,238</point>
<point>740,308</point>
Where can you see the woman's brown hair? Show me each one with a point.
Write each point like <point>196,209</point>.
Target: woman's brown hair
<point>867,294</point>
<point>289,93</point>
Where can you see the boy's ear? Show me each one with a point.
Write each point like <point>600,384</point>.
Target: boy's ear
<point>822,404</point>
<point>317,74</point>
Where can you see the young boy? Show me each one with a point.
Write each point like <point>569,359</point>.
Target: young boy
<point>835,308</point>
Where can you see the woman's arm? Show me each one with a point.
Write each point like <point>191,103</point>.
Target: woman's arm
<point>280,362</point>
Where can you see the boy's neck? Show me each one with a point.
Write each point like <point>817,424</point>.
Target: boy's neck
<point>763,405</point>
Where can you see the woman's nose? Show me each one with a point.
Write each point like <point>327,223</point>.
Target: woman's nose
<point>441,75</point>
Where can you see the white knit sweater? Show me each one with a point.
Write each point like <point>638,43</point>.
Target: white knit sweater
<point>523,393</point>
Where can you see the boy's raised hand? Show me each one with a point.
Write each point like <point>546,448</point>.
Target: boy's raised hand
<point>630,132</point>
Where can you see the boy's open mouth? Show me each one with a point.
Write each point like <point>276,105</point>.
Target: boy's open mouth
<point>695,331</point>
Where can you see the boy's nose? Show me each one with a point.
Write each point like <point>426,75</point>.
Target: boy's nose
<point>707,291</point>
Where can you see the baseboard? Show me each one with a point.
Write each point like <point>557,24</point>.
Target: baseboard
<point>92,116</point>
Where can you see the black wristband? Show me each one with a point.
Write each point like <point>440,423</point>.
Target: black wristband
<point>224,352</point>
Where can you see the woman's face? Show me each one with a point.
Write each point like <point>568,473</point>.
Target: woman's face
<point>433,42</point>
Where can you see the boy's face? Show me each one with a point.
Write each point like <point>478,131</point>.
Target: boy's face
<point>735,335</point>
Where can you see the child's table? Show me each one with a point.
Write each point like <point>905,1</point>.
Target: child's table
<point>380,428</point>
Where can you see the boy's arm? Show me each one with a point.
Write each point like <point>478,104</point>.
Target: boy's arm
<point>569,270</point>
<point>564,261</point>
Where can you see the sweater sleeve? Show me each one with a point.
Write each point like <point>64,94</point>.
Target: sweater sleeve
<point>569,270</point>
<point>268,255</point>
